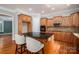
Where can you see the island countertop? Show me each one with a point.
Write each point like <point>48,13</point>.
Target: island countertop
<point>38,35</point>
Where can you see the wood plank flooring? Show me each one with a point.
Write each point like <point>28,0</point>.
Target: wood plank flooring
<point>7,46</point>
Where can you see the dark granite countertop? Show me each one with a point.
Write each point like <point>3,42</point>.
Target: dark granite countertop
<point>63,29</point>
<point>38,35</point>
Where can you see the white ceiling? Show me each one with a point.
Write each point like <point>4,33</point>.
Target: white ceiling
<point>39,8</point>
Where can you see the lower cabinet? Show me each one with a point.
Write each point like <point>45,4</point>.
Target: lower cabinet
<point>75,19</point>
<point>65,37</point>
<point>63,43</point>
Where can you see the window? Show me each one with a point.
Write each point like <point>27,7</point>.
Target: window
<point>1,26</point>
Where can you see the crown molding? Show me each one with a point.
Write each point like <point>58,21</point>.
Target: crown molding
<point>6,9</point>
<point>6,12</point>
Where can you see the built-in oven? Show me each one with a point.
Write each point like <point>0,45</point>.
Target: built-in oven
<point>42,29</point>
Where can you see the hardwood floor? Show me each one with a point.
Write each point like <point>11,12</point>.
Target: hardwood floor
<point>7,46</point>
<point>51,47</point>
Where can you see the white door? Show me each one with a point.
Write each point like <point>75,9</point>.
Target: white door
<point>25,29</point>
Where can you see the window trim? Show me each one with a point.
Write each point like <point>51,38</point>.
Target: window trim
<point>2,22</point>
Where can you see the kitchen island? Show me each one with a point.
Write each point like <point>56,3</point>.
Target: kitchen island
<point>42,37</point>
<point>62,43</point>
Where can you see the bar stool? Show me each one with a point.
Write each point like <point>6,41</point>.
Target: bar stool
<point>20,44</point>
<point>34,46</point>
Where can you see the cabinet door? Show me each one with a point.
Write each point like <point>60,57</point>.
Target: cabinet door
<point>67,21</point>
<point>63,36</point>
<point>67,37</point>
<point>43,21</point>
<point>59,36</point>
<point>26,18</point>
<point>57,19</point>
<point>50,22</point>
<point>75,18</point>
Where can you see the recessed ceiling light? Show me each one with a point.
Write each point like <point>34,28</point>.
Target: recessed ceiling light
<point>43,11</point>
<point>53,8</point>
<point>68,4</point>
<point>30,9</point>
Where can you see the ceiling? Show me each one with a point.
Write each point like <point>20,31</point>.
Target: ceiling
<point>40,8</point>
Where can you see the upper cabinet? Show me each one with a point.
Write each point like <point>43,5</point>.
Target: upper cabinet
<point>24,19</point>
<point>67,21</point>
<point>43,21</point>
<point>75,19</point>
<point>54,20</point>
<point>50,22</point>
<point>71,20</point>
<point>57,20</point>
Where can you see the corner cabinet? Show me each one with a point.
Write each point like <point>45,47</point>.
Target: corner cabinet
<point>75,19</point>
<point>43,21</point>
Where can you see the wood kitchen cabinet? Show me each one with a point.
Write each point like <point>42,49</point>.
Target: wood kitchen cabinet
<point>65,37</point>
<point>24,19</point>
<point>75,19</point>
<point>67,21</point>
<point>50,22</point>
<point>63,43</point>
<point>64,20</point>
<point>43,21</point>
<point>57,19</point>
<point>59,36</point>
